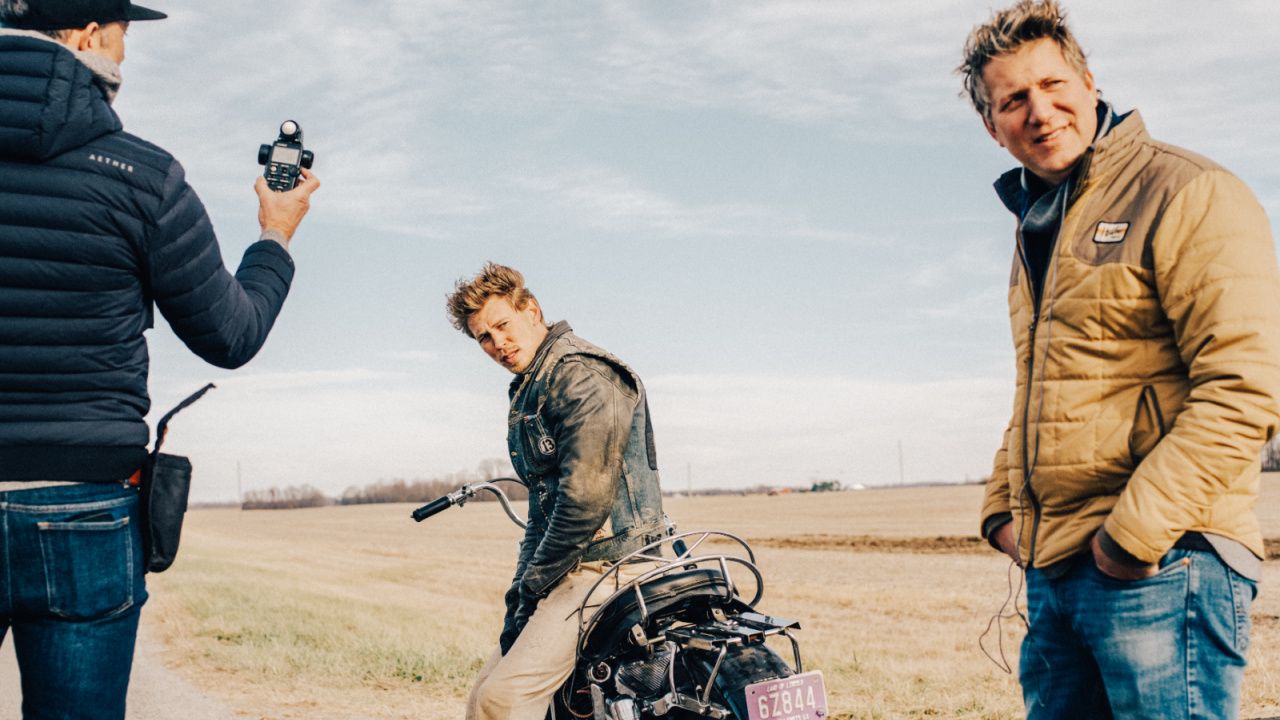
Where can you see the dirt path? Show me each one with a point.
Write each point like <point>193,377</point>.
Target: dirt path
<point>155,692</point>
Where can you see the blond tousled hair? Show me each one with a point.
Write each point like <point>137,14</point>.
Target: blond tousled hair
<point>469,296</point>
<point>1009,29</point>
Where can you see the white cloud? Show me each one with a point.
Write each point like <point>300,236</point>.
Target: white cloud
<point>353,428</point>
<point>302,379</point>
<point>979,305</point>
<point>413,356</point>
<point>750,429</point>
<point>610,201</point>
<point>410,104</point>
<point>333,435</point>
<point>375,84</point>
<point>1196,71</point>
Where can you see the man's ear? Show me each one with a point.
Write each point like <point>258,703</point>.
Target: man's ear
<point>991,130</point>
<point>537,311</point>
<point>85,38</point>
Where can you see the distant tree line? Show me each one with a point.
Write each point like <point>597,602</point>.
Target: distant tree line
<point>421,491</point>
<point>818,486</point>
<point>715,492</point>
<point>299,496</point>
<point>396,490</point>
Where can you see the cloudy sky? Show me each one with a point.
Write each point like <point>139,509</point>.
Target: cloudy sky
<point>779,213</point>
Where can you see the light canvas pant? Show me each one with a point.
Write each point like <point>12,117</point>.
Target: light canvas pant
<point>520,684</point>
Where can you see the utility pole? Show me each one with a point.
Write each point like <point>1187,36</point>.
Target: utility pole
<point>239,486</point>
<point>902,473</point>
<point>688,476</point>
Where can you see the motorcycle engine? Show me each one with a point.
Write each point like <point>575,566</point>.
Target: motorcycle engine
<point>646,677</point>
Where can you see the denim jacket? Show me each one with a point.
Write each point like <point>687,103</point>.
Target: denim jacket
<point>581,440</point>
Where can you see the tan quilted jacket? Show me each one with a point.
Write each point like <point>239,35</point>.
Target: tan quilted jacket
<point>1147,381</point>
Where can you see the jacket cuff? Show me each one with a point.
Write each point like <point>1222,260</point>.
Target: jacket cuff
<point>994,523</point>
<point>272,255</point>
<point>1112,549</point>
<point>539,580</point>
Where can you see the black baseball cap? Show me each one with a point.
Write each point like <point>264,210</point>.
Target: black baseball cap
<point>65,14</point>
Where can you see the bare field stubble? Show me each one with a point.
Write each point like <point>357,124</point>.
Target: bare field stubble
<point>358,612</point>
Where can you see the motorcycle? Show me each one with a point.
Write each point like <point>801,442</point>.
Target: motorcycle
<point>678,640</point>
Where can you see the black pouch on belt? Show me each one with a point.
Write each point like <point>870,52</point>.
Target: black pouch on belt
<point>166,482</point>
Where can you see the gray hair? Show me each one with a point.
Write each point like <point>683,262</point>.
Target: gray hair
<point>1009,29</point>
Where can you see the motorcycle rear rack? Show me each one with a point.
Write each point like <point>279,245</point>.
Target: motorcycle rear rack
<point>683,546</point>
<point>745,628</point>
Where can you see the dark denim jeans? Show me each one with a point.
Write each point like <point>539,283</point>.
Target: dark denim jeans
<point>1169,647</point>
<point>71,586</point>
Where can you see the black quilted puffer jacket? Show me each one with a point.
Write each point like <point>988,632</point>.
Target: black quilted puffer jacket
<point>97,227</point>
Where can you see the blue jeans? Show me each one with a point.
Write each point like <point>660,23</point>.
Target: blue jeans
<point>71,586</point>
<point>1169,647</point>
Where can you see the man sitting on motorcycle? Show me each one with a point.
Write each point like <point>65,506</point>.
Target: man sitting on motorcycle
<point>581,440</point>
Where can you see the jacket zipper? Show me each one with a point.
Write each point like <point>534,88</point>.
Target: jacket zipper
<point>1026,403</point>
<point>1073,191</point>
<point>1036,302</point>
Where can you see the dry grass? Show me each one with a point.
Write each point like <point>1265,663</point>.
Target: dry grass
<point>360,613</point>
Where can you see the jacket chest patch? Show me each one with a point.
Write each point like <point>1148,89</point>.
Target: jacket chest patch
<point>1107,232</point>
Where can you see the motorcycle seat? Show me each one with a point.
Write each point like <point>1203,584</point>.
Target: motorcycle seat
<point>663,595</point>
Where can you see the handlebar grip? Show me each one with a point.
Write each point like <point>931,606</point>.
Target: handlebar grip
<point>433,507</point>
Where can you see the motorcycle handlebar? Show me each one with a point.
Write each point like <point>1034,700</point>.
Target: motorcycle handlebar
<point>433,507</point>
<point>465,493</point>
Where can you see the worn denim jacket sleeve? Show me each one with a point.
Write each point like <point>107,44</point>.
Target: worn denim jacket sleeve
<point>534,526</point>
<point>589,408</point>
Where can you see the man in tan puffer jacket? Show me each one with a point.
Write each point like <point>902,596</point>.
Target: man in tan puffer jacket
<point>1145,308</point>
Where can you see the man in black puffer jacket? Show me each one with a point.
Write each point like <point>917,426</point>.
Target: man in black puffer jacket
<point>96,227</point>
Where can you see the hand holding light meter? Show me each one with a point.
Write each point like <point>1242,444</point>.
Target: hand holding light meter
<point>284,159</point>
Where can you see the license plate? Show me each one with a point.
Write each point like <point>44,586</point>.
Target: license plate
<point>799,697</point>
